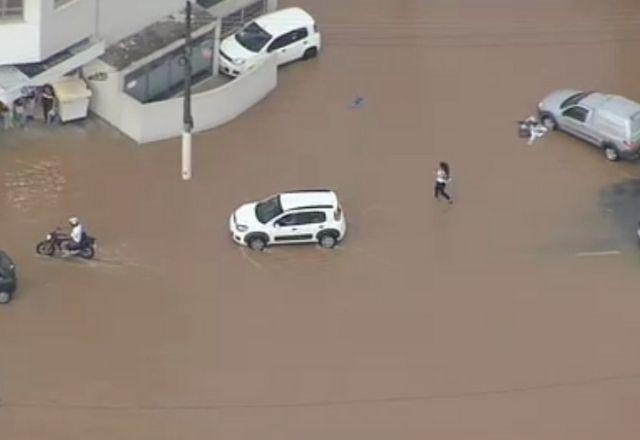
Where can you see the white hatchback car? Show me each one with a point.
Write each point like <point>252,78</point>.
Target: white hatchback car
<point>305,216</point>
<point>289,33</point>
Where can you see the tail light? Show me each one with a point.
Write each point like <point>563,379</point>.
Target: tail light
<point>629,145</point>
<point>337,214</point>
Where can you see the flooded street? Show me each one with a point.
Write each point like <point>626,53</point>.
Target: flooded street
<point>512,314</point>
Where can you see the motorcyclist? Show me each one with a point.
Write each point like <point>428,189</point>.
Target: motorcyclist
<point>76,236</point>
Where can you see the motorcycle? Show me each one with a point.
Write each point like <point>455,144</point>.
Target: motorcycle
<point>55,242</point>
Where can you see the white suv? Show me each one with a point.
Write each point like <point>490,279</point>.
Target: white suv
<point>305,216</point>
<point>290,34</point>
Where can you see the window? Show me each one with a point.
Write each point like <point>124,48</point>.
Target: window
<point>268,209</point>
<point>574,99</point>
<point>164,77</point>
<point>58,3</point>
<point>303,218</point>
<point>280,42</point>
<point>308,218</point>
<point>11,9</point>
<point>299,34</point>
<point>289,220</point>
<point>235,21</point>
<point>253,37</point>
<point>577,113</point>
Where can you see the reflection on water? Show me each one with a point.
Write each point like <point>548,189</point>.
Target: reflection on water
<point>31,186</point>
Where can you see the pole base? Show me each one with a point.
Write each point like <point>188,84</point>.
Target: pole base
<point>186,155</point>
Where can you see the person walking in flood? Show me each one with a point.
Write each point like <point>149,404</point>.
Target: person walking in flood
<point>443,177</point>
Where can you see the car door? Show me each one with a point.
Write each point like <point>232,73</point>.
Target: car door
<point>575,120</point>
<point>298,227</point>
<point>298,43</point>
<point>287,47</point>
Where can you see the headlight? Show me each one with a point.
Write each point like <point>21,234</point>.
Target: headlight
<point>239,61</point>
<point>242,228</point>
<point>540,105</point>
<point>48,236</point>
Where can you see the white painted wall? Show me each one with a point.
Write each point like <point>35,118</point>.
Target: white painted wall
<point>163,119</point>
<point>20,40</point>
<point>120,18</point>
<point>66,25</point>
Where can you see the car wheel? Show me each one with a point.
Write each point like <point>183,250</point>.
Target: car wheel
<point>549,122</point>
<point>312,52</point>
<point>257,243</point>
<point>5,297</point>
<point>327,241</point>
<point>611,153</point>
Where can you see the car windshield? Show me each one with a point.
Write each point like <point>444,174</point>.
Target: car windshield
<point>253,37</point>
<point>574,99</point>
<point>268,209</point>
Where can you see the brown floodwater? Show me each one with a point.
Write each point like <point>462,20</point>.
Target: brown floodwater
<point>512,314</point>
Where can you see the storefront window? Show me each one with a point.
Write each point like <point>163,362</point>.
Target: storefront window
<point>164,77</point>
<point>11,9</point>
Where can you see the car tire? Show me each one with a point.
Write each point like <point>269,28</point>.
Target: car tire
<point>328,240</point>
<point>5,297</point>
<point>611,153</point>
<point>256,243</point>
<point>312,52</point>
<point>549,122</point>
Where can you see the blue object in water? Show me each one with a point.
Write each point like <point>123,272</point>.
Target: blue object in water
<point>359,102</point>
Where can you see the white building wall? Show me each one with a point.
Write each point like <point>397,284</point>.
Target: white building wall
<point>120,18</point>
<point>66,25</point>
<point>20,40</point>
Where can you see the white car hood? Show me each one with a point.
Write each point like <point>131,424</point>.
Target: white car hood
<point>246,215</point>
<point>235,50</point>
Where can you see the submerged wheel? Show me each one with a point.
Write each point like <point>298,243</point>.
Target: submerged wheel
<point>257,243</point>
<point>549,122</point>
<point>312,52</point>
<point>45,248</point>
<point>611,153</point>
<point>87,253</point>
<point>328,240</point>
<point>5,297</point>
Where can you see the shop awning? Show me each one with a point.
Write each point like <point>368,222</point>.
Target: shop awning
<point>14,79</point>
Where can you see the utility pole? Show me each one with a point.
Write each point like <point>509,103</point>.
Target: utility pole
<point>187,118</point>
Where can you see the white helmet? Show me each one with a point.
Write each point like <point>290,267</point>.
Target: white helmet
<point>73,221</point>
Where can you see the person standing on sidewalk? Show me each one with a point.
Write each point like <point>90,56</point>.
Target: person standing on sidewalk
<point>5,116</point>
<point>443,177</point>
<point>47,100</point>
<point>19,113</point>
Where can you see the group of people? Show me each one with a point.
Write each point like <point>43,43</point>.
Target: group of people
<point>23,109</point>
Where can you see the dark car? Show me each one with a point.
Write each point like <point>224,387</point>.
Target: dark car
<point>8,279</point>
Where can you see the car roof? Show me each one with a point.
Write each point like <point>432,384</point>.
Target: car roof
<point>620,106</point>
<point>312,198</point>
<point>593,99</point>
<point>285,20</point>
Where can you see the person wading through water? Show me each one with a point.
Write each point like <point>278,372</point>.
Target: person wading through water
<point>443,177</point>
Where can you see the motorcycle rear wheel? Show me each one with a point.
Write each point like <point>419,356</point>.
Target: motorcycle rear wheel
<point>87,253</point>
<point>45,248</point>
